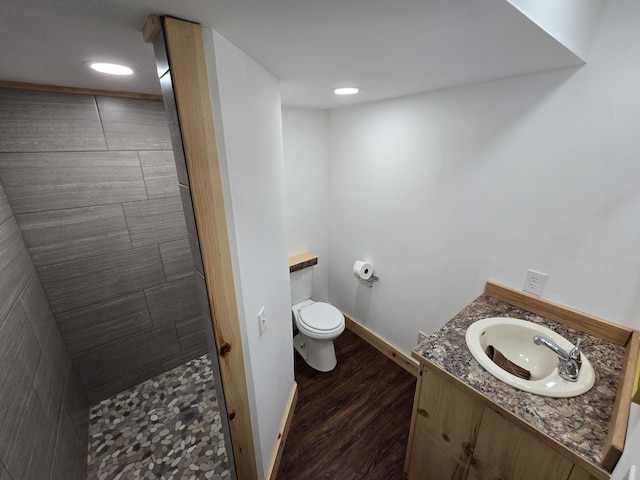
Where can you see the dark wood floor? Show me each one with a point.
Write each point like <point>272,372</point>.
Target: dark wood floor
<point>351,423</point>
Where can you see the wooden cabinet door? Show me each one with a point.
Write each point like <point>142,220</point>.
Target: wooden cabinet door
<point>505,451</point>
<point>445,427</point>
<point>579,473</point>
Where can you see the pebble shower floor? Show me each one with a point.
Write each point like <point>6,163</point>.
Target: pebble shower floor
<point>167,428</point>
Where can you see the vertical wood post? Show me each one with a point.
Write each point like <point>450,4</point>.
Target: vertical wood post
<point>188,69</point>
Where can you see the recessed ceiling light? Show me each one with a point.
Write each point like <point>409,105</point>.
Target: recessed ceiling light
<point>111,68</point>
<point>346,90</point>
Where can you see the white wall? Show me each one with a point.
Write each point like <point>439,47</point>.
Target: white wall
<point>246,101</point>
<point>305,138</point>
<point>571,22</point>
<point>444,190</point>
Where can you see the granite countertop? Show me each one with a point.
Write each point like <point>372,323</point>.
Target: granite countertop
<point>580,423</point>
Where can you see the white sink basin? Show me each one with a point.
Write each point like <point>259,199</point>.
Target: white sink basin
<point>514,339</point>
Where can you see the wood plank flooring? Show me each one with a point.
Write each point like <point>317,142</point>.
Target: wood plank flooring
<point>351,423</point>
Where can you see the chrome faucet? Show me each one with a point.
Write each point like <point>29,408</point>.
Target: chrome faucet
<point>569,363</point>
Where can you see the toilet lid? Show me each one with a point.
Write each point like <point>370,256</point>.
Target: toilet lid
<point>321,316</point>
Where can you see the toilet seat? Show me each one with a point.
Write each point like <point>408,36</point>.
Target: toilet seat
<point>320,320</point>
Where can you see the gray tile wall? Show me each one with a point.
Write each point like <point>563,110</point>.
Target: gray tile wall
<point>94,188</point>
<point>55,122</point>
<point>43,410</point>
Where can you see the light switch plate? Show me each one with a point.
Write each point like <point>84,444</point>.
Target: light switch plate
<point>262,320</point>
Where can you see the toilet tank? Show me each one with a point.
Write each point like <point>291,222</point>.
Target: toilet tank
<point>301,285</point>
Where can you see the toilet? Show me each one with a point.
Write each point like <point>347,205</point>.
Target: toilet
<point>319,323</point>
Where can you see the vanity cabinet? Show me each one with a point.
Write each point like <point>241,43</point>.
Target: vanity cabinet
<point>467,424</point>
<point>455,435</point>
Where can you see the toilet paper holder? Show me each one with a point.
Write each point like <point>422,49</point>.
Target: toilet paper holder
<point>368,282</point>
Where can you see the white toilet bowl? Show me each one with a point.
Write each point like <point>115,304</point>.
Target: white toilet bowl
<point>319,324</point>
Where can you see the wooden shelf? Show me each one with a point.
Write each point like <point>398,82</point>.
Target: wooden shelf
<point>303,260</point>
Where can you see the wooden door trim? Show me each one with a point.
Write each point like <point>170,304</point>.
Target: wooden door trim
<point>188,66</point>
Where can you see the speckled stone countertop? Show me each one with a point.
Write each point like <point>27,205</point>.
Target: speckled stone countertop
<point>580,423</point>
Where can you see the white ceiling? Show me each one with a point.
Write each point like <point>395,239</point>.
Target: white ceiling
<point>389,48</point>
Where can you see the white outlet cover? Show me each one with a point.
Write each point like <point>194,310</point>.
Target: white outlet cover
<point>534,282</point>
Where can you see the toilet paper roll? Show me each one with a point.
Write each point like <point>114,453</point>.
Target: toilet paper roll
<point>363,270</point>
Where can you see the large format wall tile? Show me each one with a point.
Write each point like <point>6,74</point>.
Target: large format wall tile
<point>127,380</point>
<point>70,234</point>
<point>176,259</point>
<point>155,221</point>
<point>91,326</point>
<point>33,446</point>
<point>51,375</point>
<point>132,124</point>
<point>159,171</point>
<point>15,264</point>
<point>19,349</point>
<point>35,182</point>
<point>36,305</point>
<point>183,356</point>
<point>48,122</point>
<point>191,334</point>
<point>125,355</point>
<point>34,390</point>
<point>4,475</point>
<point>69,461</point>
<point>173,301</point>
<point>5,206</point>
<point>77,406</point>
<point>83,282</point>
<point>103,225</point>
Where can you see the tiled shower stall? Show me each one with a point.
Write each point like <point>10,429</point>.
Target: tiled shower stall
<point>97,285</point>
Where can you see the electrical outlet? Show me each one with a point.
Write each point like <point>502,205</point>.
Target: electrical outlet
<point>262,320</point>
<point>421,337</point>
<point>534,282</point>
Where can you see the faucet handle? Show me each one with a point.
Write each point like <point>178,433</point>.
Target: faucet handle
<point>574,354</point>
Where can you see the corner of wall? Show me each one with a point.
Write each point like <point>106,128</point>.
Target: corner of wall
<point>244,97</point>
